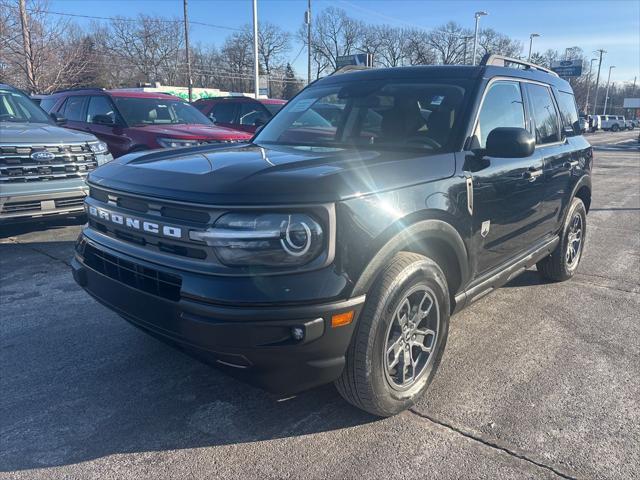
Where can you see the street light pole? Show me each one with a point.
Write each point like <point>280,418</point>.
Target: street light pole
<point>475,35</point>
<point>256,66</point>
<point>186,44</point>
<point>531,37</point>
<point>586,102</point>
<point>307,19</point>
<point>595,100</point>
<point>606,95</point>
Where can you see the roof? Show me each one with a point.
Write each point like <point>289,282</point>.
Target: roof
<point>243,98</point>
<point>120,92</point>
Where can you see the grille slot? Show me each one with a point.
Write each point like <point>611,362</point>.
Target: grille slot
<point>69,161</point>
<point>142,278</point>
<point>15,207</point>
<point>70,202</point>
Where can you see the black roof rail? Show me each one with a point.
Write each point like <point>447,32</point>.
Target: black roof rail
<point>99,89</point>
<point>502,61</point>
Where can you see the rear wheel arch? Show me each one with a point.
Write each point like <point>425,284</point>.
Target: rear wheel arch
<point>432,238</point>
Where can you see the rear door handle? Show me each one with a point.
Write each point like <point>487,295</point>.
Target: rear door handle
<point>532,174</point>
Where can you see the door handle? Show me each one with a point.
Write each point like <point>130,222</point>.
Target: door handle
<point>532,174</point>
<point>571,165</point>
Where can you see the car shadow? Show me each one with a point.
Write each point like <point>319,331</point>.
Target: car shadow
<point>33,226</point>
<point>527,278</point>
<point>79,383</point>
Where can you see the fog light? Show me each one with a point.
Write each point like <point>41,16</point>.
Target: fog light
<point>297,333</point>
<point>342,319</point>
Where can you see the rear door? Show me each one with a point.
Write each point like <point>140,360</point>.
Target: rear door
<point>73,110</point>
<point>556,151</point>
<point>507,192</point>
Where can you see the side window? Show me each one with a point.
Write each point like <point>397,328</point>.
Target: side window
<point>544,114</point>
<point>47,104</point>
<point>100,105</point>
<point>224,112</point>
<point>502,107</point>
<point>568,113</point>
<point>73,108</point>
<point>250,112</point>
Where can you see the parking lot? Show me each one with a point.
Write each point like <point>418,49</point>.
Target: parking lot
<point>539,380</point>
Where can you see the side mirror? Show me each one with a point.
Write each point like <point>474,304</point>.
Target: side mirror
<point>212,117</point>
<point>58,118</point>
<point>103,120</point>
<point>510,142</point>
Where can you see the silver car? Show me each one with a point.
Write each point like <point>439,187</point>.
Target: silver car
<point>42,165</point>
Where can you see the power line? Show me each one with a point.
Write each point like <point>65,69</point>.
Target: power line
<point>128,19</point>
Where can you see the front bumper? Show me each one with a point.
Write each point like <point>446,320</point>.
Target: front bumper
<point>256,343</point>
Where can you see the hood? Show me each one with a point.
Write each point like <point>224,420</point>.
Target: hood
<point>251,174</point>
<point>12,132</point>
<point>194,131</point>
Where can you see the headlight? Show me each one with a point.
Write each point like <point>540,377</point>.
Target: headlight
<point>176,142</point>
<point>99,148</point>
<point>267,239</point>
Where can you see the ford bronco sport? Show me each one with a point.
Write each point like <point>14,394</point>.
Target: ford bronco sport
<point>42,165</point>
<point>337,251</point>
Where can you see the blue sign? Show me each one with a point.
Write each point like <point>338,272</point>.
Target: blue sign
<point>567,68</point>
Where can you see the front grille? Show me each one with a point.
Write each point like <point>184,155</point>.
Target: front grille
<point>142,278</point>
<point>70,202</point>
<point>168,212</point>
<point>70,161</point>
<point>17,207</point>
<point>42,206</point>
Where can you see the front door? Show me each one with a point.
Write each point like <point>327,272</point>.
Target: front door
<point>508,193</point>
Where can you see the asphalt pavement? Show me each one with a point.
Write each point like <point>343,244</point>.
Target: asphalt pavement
<point>539,380</point>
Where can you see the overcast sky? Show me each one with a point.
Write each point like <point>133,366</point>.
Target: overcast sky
<point>591,24</point>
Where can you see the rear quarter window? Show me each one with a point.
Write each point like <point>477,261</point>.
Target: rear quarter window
<point>568,112</point>
<point>47,104</point>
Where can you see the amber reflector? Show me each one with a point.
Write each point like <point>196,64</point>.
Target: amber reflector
<point>342,319</point>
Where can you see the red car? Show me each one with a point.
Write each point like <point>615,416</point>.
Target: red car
<point>241,113</point>
<point>130,121</point>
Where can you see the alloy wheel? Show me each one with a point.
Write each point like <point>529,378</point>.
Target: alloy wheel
<point>574,241</point>
<point>411,338</point>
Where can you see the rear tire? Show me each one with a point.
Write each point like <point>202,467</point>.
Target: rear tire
<point>563,262</point>
<point>400,337</point>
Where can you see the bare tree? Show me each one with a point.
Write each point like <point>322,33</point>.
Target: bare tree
<point>152,47</point>
<point>490,41</point>
<point>392,49</point>
<point>335,34</point>
<point>419,49</point>
<point>448,43</point>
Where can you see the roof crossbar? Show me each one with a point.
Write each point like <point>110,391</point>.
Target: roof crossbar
<point>502,61</point>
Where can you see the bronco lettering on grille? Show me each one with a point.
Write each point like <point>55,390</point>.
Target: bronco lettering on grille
<point>135,223</point>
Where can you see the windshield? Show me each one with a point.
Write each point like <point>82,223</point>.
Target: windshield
<point>397,114</point>
<point>17,107</point>
<point>156,111</point>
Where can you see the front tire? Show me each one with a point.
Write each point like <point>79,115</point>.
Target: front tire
<point>400,337</point>
<point>563,262</point>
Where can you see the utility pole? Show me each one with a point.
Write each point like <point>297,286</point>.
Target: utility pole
<point>186,44</point>
<point>256,65</point>
<point>307,20</point>
<point>466,40</point>
<point>606,95</point>
<point>475,35</point>
<point>595,100</point>
<point>531,37</point>
<point>26,42</point>
<point>586,102</point>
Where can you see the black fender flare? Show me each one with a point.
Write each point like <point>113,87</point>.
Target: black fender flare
<point>422,230</point>
<point>585,181</point>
